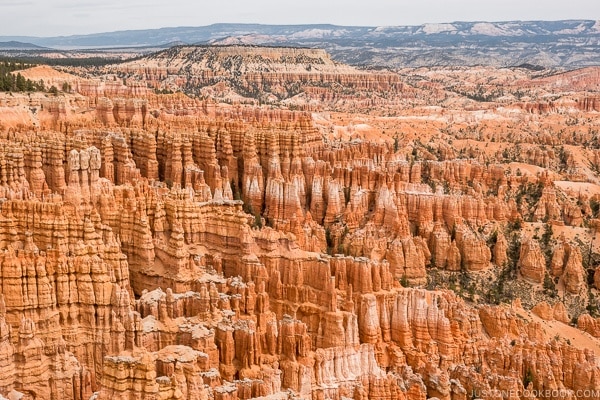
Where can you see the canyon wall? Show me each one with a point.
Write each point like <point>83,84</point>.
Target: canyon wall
<point>159,246</point>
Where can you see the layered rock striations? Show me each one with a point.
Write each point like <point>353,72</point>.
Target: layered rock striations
<point>253,72</point>
<point>114,282</point>
<point>165,247</point>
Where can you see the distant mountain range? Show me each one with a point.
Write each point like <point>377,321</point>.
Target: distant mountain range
<point>15,45</point>
<point>569,43</point>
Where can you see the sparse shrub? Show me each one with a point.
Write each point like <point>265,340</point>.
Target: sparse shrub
<point>528,378</point>
<point>404,281</point>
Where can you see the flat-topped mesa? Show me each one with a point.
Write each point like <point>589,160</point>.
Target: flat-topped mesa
<point>252,69</point>
<point>250,53</point>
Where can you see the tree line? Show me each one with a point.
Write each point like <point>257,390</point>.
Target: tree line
<point>93,61</point>
<point>10,82</point>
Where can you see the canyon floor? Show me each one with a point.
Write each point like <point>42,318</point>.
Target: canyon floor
<point>237,222</point>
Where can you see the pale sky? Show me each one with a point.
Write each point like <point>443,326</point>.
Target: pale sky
<point>70,17</point>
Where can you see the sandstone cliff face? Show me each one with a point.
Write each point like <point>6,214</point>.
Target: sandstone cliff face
<point>165,247</point>
<point>156,292</point>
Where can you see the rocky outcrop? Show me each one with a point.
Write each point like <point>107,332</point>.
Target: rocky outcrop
<point>499,252</point>
<point>586,323</point>
<point>574,276</point>
<point>567,263</point>
<point>549,313</point>
<point>475,254</point>
<point>532,264</point>
<point>547,206</point>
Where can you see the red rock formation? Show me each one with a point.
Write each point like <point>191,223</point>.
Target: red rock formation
<point>574,276</point>
<point>567,264</point>
<point>532,264</point>
<point>500,248</point>
<point>547,206</point>
<point>167,247</point>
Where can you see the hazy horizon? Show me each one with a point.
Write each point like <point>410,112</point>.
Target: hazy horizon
<point>46,18</point>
